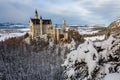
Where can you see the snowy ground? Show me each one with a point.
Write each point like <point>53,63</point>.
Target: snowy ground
<point>95,38</point>
<point>90,30</point>
<point>7,33</point>
<point>87,30</point>
<point>113,76</point>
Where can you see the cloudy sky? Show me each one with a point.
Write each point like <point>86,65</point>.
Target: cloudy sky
<point>73,11</point>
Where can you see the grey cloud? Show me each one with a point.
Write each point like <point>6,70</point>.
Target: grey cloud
<point>81,11</point>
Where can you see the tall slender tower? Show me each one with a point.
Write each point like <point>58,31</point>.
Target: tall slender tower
<point>41,26</point>
<point>63,25</point>
<point>36,14</point>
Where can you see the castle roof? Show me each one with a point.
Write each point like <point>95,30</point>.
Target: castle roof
<point>35,21</point>
<point>47,21</point>
<point>44,21</point>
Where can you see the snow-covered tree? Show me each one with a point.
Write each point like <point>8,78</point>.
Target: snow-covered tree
<point>34,61</point>
<point>94,60</point>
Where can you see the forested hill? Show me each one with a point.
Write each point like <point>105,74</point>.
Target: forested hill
<point>37,60</point>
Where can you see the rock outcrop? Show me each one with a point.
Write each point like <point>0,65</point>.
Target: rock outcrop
<point>113,28</point>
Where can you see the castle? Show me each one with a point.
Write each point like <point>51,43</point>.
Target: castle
<point>40,26</point>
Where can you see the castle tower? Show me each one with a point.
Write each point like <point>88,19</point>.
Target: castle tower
<point>58,34</point>
<point>31,28</point>
<point>63,25</point>
<point>36,14</point>
<point>41,26</point>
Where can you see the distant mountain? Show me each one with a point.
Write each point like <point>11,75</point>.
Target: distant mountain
<point>90,25</point>
<point>13,25</point>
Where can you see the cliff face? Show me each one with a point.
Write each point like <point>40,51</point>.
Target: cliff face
<point>114,27</point>
<point>114,24</point>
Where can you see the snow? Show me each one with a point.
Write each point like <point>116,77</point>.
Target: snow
<point>118,21</point>
<point>44,37</point>
<point>102,37</point>
<point>106,45</point>
<point>89,30</point>
<point>118,68</point>
<point>71,46</point>
<point>51,43</point>
<point>27,40</point>
<point>106,68</point>
<point>112,76</point>
<point>86,30</point>
<point>7,33</point>
<point>24,29</point>
<point>6,36</point>
<point>87,52</point>
<point>70,72</point>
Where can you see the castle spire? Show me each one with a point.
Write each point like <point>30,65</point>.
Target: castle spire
<point>36,14</point>
<point>64,25</point>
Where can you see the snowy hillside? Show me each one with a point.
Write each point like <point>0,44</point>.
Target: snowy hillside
<point>94,60</point>
<point>94,38</point>
<point>87,30</point>
<point>91,32</point>
<point>7,33</point>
